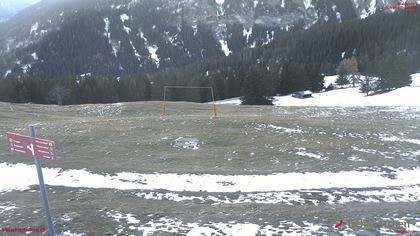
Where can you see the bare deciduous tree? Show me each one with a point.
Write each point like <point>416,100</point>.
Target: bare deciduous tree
<point>349,69</point>
<point>59,94</point>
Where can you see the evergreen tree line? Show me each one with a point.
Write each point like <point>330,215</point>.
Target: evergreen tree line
<point>75,91</point>
<point>277,79</point>
<point>254,83</point>
<point>396,74</point>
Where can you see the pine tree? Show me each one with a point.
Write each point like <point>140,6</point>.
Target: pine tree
<point>253,90</point>
<point>294,78</point>
<point>394,73</point>
<point>59,95</point>
<point>367,85</point>
<point>315,77</point>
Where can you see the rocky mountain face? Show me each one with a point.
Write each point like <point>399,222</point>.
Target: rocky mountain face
<point>112,38</point>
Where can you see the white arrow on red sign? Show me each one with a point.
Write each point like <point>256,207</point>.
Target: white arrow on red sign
<point>28,146</point>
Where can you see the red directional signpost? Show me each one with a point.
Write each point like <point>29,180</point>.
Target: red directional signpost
<point>36,148</point>
<point>33,147</point>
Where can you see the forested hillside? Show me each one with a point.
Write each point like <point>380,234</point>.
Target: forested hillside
<point>384,45</point>
<point>57,39</point>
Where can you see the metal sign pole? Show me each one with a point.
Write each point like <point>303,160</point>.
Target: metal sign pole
<point>42,186</point>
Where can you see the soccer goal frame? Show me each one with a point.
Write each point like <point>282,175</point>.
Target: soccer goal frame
<point>164,110</point>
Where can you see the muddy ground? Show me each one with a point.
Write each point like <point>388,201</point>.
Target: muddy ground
<point>242,140</point>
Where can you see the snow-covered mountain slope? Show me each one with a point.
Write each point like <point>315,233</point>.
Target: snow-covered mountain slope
<point>9,8</point>
<point>119,37</point>
<point>405,97</point>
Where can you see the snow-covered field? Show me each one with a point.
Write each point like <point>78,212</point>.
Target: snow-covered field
<point>349,97</point>
<point>210,183</point>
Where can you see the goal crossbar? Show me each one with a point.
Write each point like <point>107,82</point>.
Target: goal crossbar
<point>163,108</point>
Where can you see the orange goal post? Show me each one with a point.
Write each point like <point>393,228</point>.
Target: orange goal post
<point>165,88</point>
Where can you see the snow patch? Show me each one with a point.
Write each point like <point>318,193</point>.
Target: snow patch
<point>331,79</point>
<point>247,33</point>
<point>136,54</point>
<point>195,29</point>
<point>26,68</point>
<point>369,151</point>
<point>407,96</point>
<point>398,139</point>
<point>187,143</point>
<point>353,158</point>
<point>175,226</point>
<point>239,229</point>
<point>269,37</point>
<point>34,28</point>
<point>133,3</point>
<point>127,29</point>
<point>8,72</point>
<point>303,197</point>
<point>415,78</point>
<point>34,56</point>
<point>230,101</point>
<point>67,217</point>
<point>220,2</point>
<point>117,216</point>
<point>69,233</point>
<point>114,45</point>
<point>372,7</point>
<point>283,129</point>
<point>304,153</point>
<point>210,183</point>
<point>356,3</point>
<point>153,54</point>
<point>225,47</point>
<point>307,3</point>
<point>106,21</point>
<point>85,75</point>
<point>364,14</point>
<point>142,37</point>
<point>151,49</point>
<point>349,97</point>
<point>9,207</point>
<point>338,15</point>
<point>124,17</point>
<point>99,110</point>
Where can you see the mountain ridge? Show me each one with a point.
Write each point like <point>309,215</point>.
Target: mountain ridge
<point>142,36</point>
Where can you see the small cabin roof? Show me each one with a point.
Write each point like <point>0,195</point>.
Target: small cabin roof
<point>306,92</point>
